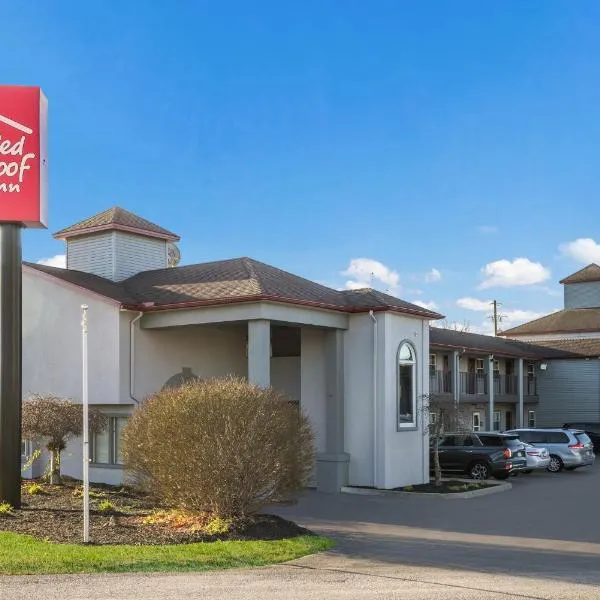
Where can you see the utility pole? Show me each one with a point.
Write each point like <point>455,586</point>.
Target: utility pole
<point>495,318</point>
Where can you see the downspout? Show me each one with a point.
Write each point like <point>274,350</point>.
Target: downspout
<point>424,447</point>
<point>375,436</point>
<point>132,357</point>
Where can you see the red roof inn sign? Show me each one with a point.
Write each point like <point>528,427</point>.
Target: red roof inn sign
<point>23,156</point>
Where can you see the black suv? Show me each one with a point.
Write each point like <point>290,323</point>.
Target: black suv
<point>480,454</point>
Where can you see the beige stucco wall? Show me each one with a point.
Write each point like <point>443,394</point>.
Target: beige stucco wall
<point>52,356</point>
<point>404,453</point>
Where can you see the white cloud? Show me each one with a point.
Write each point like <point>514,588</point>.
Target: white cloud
<point>487,229</point>
<point>583,250</point>
<point>474,304</point>
<point>427,305</point>
<point>60,260</point>
<point>433,276</point>
<point>506,273</point>
<point>366,272</point>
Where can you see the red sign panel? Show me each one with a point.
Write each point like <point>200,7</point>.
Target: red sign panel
<point>23,156</point>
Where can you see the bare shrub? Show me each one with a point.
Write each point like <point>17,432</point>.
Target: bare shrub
<point>441,416</point>
<point>56,420</point>
<point>219,445</point>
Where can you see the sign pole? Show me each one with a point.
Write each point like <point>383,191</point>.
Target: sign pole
<point>10,363</point>
<point>86,429</point>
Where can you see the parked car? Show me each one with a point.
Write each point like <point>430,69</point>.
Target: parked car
<point>592,430</point>
<point>569,448</point>
<point>480,454</point>
<point>537,458</point>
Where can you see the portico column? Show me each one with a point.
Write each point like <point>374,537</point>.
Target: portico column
<point>332,465</point>
<point>520,392</point>
<point>490,374</point>
<point>259,352</point>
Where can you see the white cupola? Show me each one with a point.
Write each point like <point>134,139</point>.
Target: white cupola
<point>117,244</point>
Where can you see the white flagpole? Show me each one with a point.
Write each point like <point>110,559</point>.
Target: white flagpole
<point>86,442</point>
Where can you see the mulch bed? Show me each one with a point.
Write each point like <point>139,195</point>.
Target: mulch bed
<point>447,487</point>
<point>57,516</point>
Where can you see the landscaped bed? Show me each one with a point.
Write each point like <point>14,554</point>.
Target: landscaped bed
<point>447,487</point>
<point>133,534</point>
<point>121,515</point>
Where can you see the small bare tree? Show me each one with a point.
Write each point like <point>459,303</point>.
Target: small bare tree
<point>57,420</point>
<point>441,416</point>
<point>464,327</point>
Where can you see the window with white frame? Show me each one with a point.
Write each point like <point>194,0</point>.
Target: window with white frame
<point>496,367</point>
<point>407,386</point>
<point>476,421</point>
<point>497,421</point>
<point>106,445</point>
<point>530,369</point>
<point>432,364</point>
<point>531,419</point>
<point>432,418</point>
<point>480,366</point>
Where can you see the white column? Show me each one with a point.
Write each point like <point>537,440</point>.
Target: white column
<point>456,378</point>
<point>259,352</point>
<point>332,465</point>
<point>520,392</point>
<point>490,373</point>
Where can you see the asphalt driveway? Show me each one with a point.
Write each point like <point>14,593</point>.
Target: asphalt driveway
<point>539,540</point>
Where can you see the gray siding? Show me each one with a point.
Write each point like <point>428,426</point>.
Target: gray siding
<point>135,254</point>
<point>92,254</point>
<point>582,295</point>
<point>569,390</point>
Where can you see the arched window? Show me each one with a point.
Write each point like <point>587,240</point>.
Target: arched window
<point>407,386</point>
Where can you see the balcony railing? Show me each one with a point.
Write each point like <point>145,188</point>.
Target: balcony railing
<point>440,382</point>
<point>473,384</point>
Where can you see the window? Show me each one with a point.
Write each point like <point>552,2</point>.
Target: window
<point>530,369</point>
<point>479,366</point>
<point>476,421</point>
<point>407,386</point>
<point>496,367</point>
<point>496,423</point>
<point>25,448</point>
<point>432,364</point>
<point>531,419</point>
<point>491,440</point>
<point>432,418</point>
<point>106,446</point>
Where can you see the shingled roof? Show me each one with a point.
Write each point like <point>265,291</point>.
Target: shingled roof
<point>230,281</point>
<point>116,218</point>
<point>486,344</point>
<point>588,347</point>
<point>570,320</point>
<point>585,275</point>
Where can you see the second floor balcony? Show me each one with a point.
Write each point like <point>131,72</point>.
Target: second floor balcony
<point>477,384</point>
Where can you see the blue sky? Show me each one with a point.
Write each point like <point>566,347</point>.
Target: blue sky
<point>442,140</point>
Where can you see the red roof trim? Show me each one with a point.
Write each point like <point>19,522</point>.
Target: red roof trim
<point>112,227</point>
<point>266,298</point>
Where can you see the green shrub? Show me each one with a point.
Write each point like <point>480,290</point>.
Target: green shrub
<point>35,488</point>
<point>221,445</point>
<point>106,506</point>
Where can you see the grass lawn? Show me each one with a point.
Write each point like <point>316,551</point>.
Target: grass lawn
<point>23,555</point>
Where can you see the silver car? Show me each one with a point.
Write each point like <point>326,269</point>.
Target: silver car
<point>568,448</point>
<point>537,458</point>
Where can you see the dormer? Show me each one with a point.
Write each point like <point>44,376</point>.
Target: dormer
<point>582,289</point>
<point>116,244</point>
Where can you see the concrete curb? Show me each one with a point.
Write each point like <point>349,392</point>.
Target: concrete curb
<point>494,488</point>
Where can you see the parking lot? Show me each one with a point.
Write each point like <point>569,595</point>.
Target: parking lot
<point>539,540</point>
